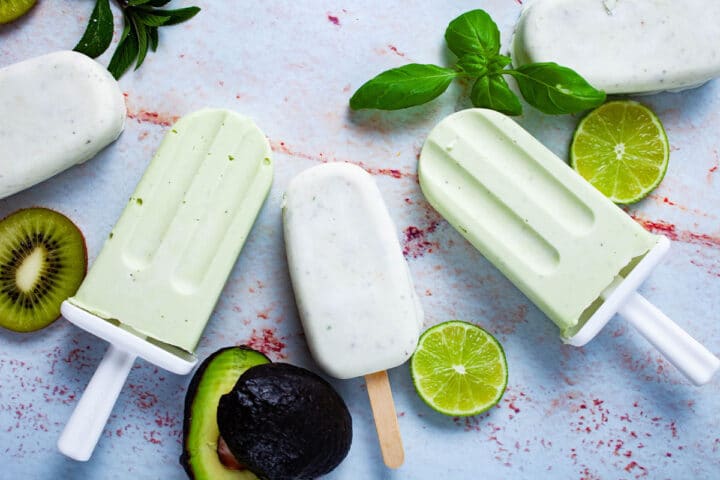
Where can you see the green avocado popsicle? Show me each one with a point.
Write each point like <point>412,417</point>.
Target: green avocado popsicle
<point>573,252</point>
<point>155,283</point>
<point>164,264</point>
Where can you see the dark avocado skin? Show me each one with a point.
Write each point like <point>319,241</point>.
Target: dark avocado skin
<point>190,398</point>
<point>284,422</point>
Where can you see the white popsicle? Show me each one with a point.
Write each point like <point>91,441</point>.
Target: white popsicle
<point>58,110</point>
<point>622,46</point>
<point>353,289</point>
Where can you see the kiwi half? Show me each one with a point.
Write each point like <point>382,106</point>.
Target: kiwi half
<point>12,9</point>
<point>43,260</point>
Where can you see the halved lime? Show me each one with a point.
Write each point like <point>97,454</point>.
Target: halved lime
<point>459,369</point>
<point>621,148</point>
<point>12,9</point>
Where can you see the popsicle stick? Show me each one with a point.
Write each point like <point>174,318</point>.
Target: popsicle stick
<point>687,354</point>
<point>87,422</point>
<point>386,422</point>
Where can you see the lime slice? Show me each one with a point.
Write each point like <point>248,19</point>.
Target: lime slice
<point>621,148</point>
<point>459,369</point>
<point>12,9</point>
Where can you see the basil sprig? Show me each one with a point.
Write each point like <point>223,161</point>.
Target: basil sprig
<point>475,39</point>
<point>141,18</point>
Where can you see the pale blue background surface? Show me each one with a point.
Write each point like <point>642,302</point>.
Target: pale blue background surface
<point>614,409</point>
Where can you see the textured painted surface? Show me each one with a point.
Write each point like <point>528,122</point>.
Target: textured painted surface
<point>614,409</point>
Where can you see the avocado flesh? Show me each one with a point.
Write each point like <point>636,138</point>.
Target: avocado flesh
<point>215,377</point>
<point>285,422</point>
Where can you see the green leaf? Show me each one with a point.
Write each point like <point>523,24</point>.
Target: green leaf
<point>493,92</point>
<point>126,52</point>
<point>499,62</point>
<point>473,64</point>
<point>153,38</point>
<point>473,32</point>
<point>178,16</point>
<point>99,32</point>
<point>151,19</point>
<point>403,87</point>
<point>158,3</point>
<point>555,89</point>
<point>142,37</point>
<point>135,3</point>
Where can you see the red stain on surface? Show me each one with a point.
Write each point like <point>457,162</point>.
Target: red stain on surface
<point>147,116</point>
<point>333,19</point>
<point>672,232</point>
<point>416,243</point>
<point>155,118</point>
<point>267,343</point>
<point>282,147</point>
<point>395,49</point>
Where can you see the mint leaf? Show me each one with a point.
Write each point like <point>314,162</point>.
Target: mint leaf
<point>99,31</point>
<point>493,92</point>
<point>150,19</point>
<point>125,54</point>
<point>403,87</point>
<point>142,18</point>
<point>142,37</point>
<point>554,89</point>
<point>473,64</point>
<point>153,38</point>
<point>179,15</point>
<point>473,32</point>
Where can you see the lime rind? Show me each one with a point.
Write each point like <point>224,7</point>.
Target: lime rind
<point>459,369</point>
<point>11,10</point>
<point>622,149</point>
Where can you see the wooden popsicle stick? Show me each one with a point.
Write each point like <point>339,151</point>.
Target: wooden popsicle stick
<point>386,422</point>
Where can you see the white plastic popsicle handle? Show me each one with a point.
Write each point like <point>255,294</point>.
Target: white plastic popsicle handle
<point>87,422</point>
<point>695,361</point>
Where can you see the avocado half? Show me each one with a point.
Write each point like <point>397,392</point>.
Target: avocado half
<point>285,422</point>
<point>215,377</point>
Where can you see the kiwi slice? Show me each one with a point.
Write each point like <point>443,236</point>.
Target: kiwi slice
<point>12,9</point>
<point>204,452</point>
<point>42,262</point>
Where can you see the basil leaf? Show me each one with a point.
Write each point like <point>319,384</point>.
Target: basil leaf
<point>498,63</point>
<point>158,3</point>
<point>492,91</point>
<point>177,16</point>
<point>473,64</point>
<point>554,89</point>
<point>473,32</point>
<point>403,87</point>
<point>135,3</point>
<point>99,32</point>
<point>126,52</point>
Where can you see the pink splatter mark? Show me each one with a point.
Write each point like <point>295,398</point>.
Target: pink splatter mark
<point>333,19</point>
<point>416,243</point>
<point>395,49</point>
<point>282,147</point>
<point>146,116</point>
<point>671,231</point>
<point>266,342</point>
